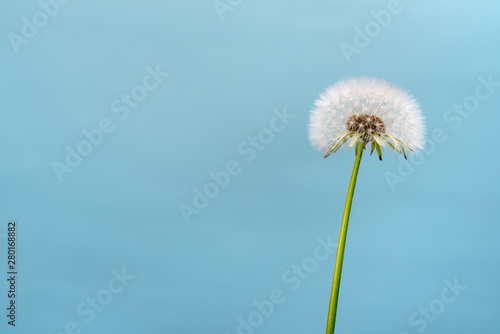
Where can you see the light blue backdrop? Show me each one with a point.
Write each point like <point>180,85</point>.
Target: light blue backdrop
<point>181,90</point>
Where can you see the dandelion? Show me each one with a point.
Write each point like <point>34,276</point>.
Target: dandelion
<point>363,111</point>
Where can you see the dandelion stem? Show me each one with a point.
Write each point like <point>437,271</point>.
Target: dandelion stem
<point>334,298</point>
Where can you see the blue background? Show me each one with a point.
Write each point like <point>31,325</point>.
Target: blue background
<point>120,208</point>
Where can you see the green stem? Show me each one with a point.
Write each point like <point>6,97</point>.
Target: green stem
<point>334,298</point>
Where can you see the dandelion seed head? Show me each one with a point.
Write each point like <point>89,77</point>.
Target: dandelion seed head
<point>368,110</point>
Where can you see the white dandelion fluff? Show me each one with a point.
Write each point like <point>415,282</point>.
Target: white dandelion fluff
<point>366,110</point>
